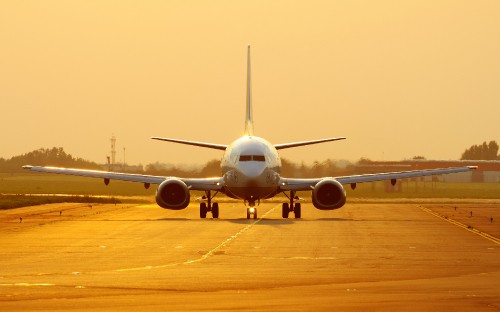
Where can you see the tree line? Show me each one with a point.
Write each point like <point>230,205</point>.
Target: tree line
<point>56,156</point>
<point>485,151</point>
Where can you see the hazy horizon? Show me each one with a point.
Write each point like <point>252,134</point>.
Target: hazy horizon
<point>398,79</point>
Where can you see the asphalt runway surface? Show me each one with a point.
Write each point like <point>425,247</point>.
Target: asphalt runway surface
<point>364,256</point>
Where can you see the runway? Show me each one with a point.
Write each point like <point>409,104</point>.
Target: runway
<point>362,257</point>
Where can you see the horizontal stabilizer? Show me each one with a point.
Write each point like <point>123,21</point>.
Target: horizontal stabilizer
<point>295,144</point>
<point>201,144</point>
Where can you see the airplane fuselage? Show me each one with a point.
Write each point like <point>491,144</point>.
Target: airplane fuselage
<point>251,169</point>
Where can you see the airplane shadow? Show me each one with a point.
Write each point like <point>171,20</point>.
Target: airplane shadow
<point>282,221</point>
<point>263,221</point>
<point>362,220</point>
<point>328,219</point>
<point>139,220</point>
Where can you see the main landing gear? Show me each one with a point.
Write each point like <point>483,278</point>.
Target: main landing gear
<point>289,207</point>
<point>209,206</point>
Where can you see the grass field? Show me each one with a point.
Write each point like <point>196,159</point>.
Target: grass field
<point>37,183</point>
<point>14,188</point>
<point>426,190</point>
<point>17,201</point>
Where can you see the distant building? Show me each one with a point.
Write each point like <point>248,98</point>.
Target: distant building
<point>488,170</point>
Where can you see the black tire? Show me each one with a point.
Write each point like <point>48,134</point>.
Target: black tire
<point>298,210</point>
<point>203,210</point>
<point>285,209</point>
<point>215,210</point>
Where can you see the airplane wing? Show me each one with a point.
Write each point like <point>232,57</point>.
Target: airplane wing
<point>204,184</point>
<point>287,184</point>
<point>295,144</point>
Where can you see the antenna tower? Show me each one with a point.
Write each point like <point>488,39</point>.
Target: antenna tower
<point>113,149</point>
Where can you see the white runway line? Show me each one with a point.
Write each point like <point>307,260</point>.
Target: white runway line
<point>463,226</point>
<point>208,254</point>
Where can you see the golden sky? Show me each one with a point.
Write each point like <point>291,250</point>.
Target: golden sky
<point>397,78</point>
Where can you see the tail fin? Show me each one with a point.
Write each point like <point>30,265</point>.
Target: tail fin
<point>249,116</point>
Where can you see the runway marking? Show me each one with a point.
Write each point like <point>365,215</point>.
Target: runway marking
<point>28,285</point>
<point>151,267</point>
<point>207,254</point>
<point>465,227</point>
<point>300,258</point>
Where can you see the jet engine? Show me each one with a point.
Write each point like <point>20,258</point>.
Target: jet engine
<point>172,194</point>
<point>328,194</point>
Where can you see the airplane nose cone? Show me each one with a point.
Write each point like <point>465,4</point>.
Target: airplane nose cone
<point>253,171</point>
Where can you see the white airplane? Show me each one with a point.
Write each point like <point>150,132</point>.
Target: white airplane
<point>250,172</point>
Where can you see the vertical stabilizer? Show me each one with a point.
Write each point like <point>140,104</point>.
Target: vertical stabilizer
<point>249,115</point>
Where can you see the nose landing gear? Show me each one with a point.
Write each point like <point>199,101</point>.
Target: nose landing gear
<point>252,211</point>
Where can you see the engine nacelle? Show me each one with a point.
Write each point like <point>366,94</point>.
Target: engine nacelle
<point>172,194</point>
<point>328,194</point>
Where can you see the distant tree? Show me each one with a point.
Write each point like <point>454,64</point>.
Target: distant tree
<point>485,151</point>
<point>55,156</point>
<point>418,158</point>
<point>288,169</point>
<point>364,161</point>
<point>162,169</point>
<point>329,168</point>
<point>211,169</point>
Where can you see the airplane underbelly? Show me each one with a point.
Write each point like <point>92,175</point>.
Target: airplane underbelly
<point>251,193</point>
<point>251,188</point>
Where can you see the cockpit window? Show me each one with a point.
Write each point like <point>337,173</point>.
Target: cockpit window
<point>258,158</point>
<point>245,157</point>
<point>252,157</point>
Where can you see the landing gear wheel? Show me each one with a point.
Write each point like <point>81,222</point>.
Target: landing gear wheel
<point>215,210</point>
<point>203,210</point>
<point>252,211</point>
<point>285,209</point>
<point>298,210</point>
